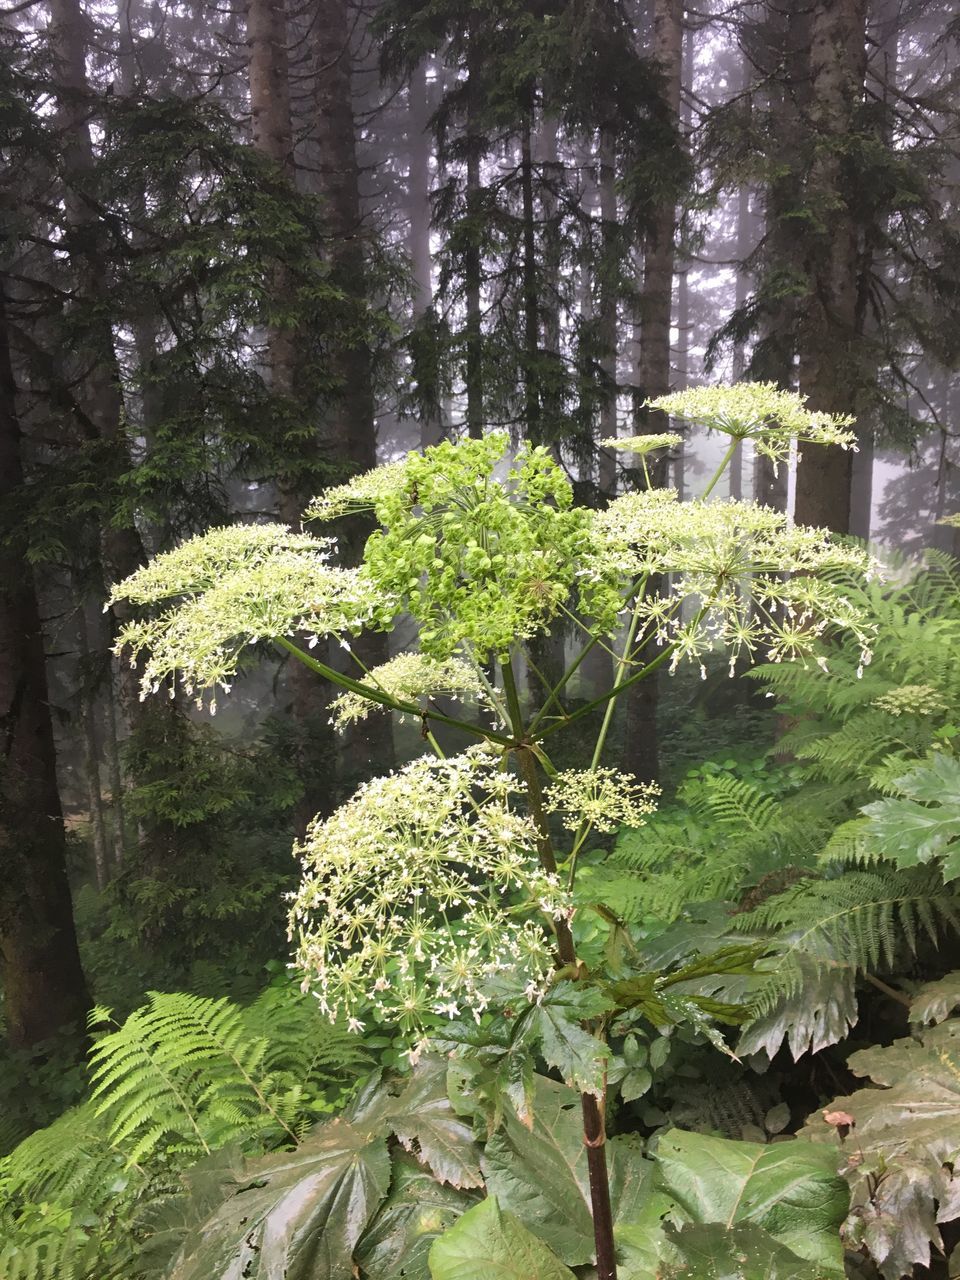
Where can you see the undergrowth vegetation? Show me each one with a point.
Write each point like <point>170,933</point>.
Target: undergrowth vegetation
<point>726,1016</point>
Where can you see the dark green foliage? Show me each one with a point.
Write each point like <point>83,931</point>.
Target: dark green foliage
<point>896,1143</point>
<point>203,891</point>
<point>536,1214</point>
<point>536,358</point>
<point>180,1079</point>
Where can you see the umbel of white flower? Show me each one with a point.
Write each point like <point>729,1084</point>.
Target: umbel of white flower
<point>419,891</point>
<point>483,552</point>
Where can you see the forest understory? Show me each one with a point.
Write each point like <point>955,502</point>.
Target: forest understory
<point>479,640</point>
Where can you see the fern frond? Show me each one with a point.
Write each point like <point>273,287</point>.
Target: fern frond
<point>185,1071</point>
<point>862,916</point>
<point>849,844</point>
<point>737,803</point>
<point>71,1255</point>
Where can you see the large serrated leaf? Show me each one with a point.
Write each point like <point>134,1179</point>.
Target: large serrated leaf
<point>717,1252</point>
<point>788,1189</point>
<point>540,1174</point>
<point>423,1119</point>
<point>818,1011</point>
<point>923,821</point>
<point>896,1144</point>
<point>490,1244</point>
<point>935,1001</point>
<point>418,1209</point>
<point>295,1216</point>
<point>575,1053</point>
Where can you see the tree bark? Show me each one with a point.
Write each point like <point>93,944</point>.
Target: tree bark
<point>99,391</point>
<point>419,218</point>
<point>350,435</point>
<point>271,132</point>
<point>42,977</point>
<point>607,472</point>
<point>533,427</point>
<point>272,135</point>
<point>659,255</point>
<point>781,59</point>
<point>829,360</point>
<point>92,748</point>
<point>641,746</point>
<point>473,267</point>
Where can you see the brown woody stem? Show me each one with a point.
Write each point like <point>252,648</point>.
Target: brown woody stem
<point>594,1128</point>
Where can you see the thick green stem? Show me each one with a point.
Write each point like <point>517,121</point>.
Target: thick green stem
<point>594,1128</point>
<point>724,463</point>
<point>385,700</point>
<point>614,691</point>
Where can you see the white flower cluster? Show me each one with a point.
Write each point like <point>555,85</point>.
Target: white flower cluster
<point>362,493</point>
<point>741,578</point>
<point>419,890</point>
<point>230,588</point>
<point>602,798</point>
<point>761,412</point>
<point>643,444</point>
<point>912,699</point>
<point>406,677</point>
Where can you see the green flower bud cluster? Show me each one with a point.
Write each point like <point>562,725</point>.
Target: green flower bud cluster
<point>912,700</point>
<point>481,559</point>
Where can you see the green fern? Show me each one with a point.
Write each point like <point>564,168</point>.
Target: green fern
<point>725,834</point>
<point>181,1077</point>
<point>864,917</point>
<point>72,1255</point>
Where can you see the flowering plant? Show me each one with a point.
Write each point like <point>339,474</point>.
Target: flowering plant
<point>439,893</point>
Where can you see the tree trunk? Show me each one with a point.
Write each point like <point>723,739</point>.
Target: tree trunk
<point>886,19</point>
<point>271,132</point>
<point>473,269</point>
<point>607,472</point>
<point>657,301</point>
<point>782,66</point>
<point>533,426</point>
<point>92,748</point>
<point>100,389</point>
<point>829,373</point>
<point>419,218</point>
<point>351,443</point>
<point>272,135</point>
<point>641,746</point>
<point>42,977</point>
<point>552,380</point>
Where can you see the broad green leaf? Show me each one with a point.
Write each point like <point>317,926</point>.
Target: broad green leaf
<point>935,1001</point>
<point>418,1209</point>
<point>816,1012</point>
<point>789,1189</point>
<point>423,1119</point>
<point>490,1244</point>
<point>714,1251</point>
<point>641,1238</point>
<point>923,821</point>
<point>540,1174</point>
<point>575,1053</point>
<point>900,1140</point>
<point>295,1216</point>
